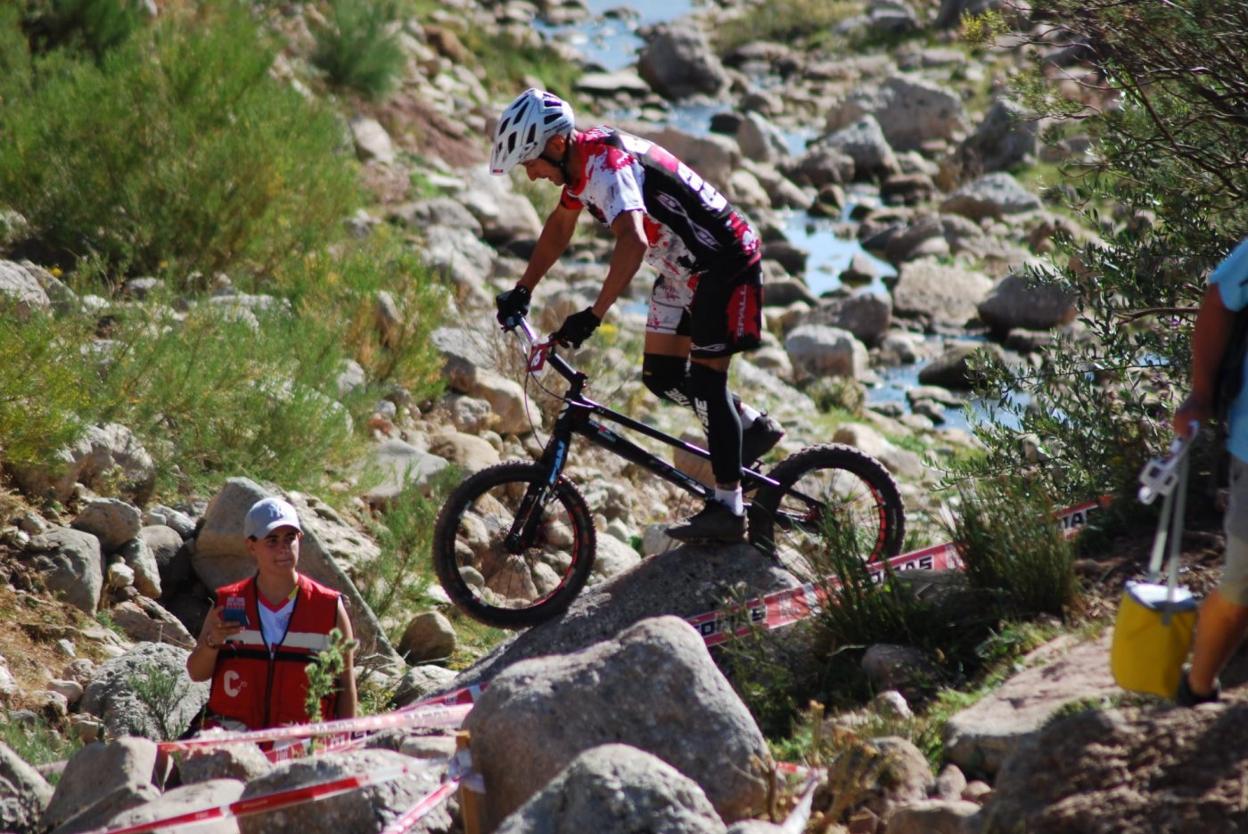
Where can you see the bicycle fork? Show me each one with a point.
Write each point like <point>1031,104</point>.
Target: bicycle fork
<point>529,514</point>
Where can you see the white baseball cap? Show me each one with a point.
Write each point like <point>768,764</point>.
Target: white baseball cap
<point>266,515</point>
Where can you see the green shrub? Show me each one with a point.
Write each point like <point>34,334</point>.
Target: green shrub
<point>162,692</point>
<point>176,152</point>
<point>43,385</point>
<point>95,26</point>
<point>339,292</point>
<point>356,48</point>
<point>324,671</point>
<point>1012,546</point>
<point>397,581</point>
<point>37,744</point>
<point>218,394</point>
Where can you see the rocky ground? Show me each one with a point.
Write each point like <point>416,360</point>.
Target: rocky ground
<point>909,151</point>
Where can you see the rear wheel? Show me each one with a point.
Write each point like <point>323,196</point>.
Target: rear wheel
<point>509,574</point>
<point>828,493</point>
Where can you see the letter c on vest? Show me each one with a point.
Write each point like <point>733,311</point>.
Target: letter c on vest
<point>229,683</point>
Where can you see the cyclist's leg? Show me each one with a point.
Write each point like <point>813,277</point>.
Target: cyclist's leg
<point>665,370</point>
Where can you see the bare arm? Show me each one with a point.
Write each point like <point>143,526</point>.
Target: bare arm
<point>1209,338</point>
<point>345,706</point>
<point>551,243</point>
<point>630,248</point>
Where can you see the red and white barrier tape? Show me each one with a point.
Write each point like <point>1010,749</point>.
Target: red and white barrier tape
<point>429,716</point>
<point>782,608</point>
<point>278,799</point>
<point>413,815</point>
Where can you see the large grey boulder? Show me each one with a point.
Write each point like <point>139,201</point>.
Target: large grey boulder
<point>760,140</point>
<point>681,710</point>
<point>866,315</point>
<point>1004,138</point>
<point>606,785</point>
<point>136,555</point>
<point>947,295</point>
<point>952,368</point>
<point>144,619</point>
<point>461,256</point>
<point>101,781</point>
<point>242,762</point>
<point>70,564</point>
<point>864,142</point>
<point>20,290</point>
<point>1018,301</point>
<point>399,465</point>
<point>822,164</point>
<point>817,351</point>
<point>910,111</point>
<point>372,142</point>
<point>184,799</point>
<point>24,794</point>
<point>111,521</point>
<point>992,195</point>
<point>503,213</point>
<point>107,456</point>
<point>981,737</point>
<point>368,809</point>
<point>677,62</point>
<point>684,582</point>
<point>145,692</point>
<point>171,558</point>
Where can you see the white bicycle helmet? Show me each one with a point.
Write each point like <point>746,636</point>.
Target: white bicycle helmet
<point>526,126</point>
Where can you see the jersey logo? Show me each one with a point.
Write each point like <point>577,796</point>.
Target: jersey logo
<point>673,205</point>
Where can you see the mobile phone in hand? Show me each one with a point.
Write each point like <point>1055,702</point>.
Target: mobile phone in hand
<point>235,615</point>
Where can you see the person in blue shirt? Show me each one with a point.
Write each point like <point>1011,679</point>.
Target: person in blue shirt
<point>1223,618</point>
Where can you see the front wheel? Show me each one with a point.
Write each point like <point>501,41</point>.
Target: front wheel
<point>833,495</point>
<point>512,550</point>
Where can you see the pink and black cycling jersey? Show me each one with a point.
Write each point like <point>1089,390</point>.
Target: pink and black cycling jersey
<point>690,227</point>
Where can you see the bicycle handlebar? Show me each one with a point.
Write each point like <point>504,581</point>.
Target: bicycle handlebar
<point>542,352</point>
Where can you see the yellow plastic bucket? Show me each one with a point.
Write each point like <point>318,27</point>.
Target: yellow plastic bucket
<point>1151,638</point>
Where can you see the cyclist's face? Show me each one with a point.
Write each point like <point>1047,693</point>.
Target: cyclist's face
<point>547,166</point>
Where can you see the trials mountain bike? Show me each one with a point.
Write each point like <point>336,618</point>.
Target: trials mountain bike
<point>515,543</point>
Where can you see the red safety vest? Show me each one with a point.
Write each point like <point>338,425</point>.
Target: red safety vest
<point>267,686</point>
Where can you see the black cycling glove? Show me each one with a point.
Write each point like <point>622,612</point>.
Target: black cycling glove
<point>513,304</point>
<point>576,328</point>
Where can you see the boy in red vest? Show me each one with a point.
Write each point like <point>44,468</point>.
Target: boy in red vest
<point>257,643</point>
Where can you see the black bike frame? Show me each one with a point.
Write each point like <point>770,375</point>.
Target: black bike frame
<point>577,418</point>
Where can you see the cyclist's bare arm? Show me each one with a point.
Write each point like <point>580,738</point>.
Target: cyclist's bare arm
<point>630,248</point>
<point>551,243</point>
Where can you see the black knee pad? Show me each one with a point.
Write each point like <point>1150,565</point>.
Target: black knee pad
<point>667,377</point>
<point>713,404</point>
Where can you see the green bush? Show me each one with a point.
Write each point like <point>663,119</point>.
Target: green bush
<point>176,152</point>
<point>92,25</point>
<point>339,291</point>
<point>218,394</point>
<point>43,385</point>
<point>397,581</point>
<point>356,48</point>
<point>1012,546</point>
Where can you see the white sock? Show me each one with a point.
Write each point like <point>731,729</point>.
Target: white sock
<point>748,415</point>
<point>731,498</point>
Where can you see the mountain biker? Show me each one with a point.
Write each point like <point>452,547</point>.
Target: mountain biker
<point>706,303</point>
<point>1223,618</point>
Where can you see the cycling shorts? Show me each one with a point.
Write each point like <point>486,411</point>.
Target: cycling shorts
<point>720,316</point>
